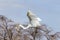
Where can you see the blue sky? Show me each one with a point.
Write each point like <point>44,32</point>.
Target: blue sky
<point>47,10</point>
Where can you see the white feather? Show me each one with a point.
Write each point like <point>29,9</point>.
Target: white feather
<point>39,19</point>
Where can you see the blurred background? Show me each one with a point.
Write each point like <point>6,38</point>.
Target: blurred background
<point>47,10</point>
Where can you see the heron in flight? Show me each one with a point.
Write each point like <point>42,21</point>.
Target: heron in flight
<point>33,19</point>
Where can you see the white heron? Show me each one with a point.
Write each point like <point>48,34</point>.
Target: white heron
<point>34,20</point>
